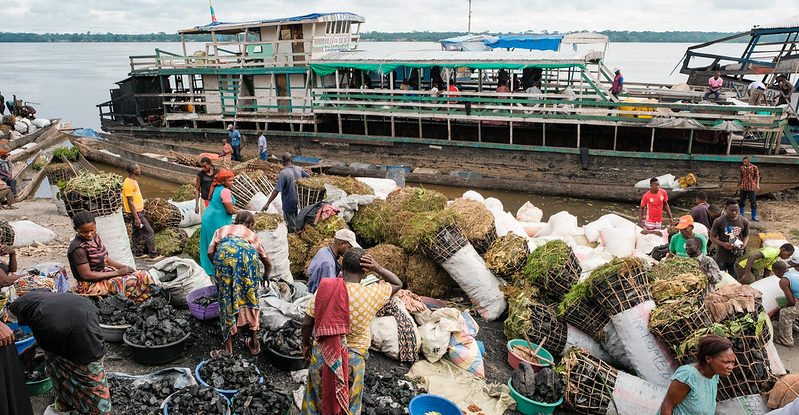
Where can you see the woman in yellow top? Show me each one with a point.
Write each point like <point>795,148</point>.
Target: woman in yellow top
<point>366,296</point>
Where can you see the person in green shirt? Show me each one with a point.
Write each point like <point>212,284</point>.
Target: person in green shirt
<point>757,264</point>
<point>677,242</point>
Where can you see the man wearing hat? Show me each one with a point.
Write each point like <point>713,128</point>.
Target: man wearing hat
<point>235,142</point>
<point>325,263</point>
<point>677,244</point>
<point>6,173</point>
<point>618,83</point>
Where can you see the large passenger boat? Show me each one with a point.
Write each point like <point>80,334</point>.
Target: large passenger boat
<point>538,117</point>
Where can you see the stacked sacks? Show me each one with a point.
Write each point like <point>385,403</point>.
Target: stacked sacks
<point>621,287</point>
<point>273,233</point>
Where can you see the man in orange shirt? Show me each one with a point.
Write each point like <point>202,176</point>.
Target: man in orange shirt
<point>133,203</point>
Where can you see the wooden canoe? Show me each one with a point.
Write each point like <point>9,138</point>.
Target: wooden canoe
<point>45,141</point>
<point>34,136</point>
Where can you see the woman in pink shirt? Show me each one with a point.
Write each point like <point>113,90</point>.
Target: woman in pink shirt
<point>715,85</point>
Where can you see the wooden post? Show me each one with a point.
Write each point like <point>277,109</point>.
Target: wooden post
<point>393,128</point>
<point>729,144</point>
<point>449,129</point>
<point>183,41</point>
<point>652,142</point>
<point>479,79</point>
<point>340,126</point>
<point>365,126</point>
<point>479,131</point>
<point>544,134</point>
<point>510,123</point>
<point>690,140</point>
<point>578,135</point>
<point>420,127</point>
<point>615,136</point>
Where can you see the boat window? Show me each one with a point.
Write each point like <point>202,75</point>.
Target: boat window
<point>328,27</point>
<point>347,30</point>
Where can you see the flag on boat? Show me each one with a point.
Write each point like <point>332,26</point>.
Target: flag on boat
<point>213,15</point>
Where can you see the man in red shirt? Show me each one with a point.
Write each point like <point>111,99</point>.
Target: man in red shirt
<point>748,185</point>
<point>654,201</point>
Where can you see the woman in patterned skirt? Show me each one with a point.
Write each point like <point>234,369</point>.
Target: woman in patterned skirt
<point>95,272</point>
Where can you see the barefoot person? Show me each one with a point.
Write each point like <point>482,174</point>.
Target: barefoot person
<point>235,252</point>
<point>219,213</point>
<point>95,272</point>
<point>693,387</point>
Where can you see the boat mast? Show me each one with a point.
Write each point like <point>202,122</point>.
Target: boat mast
<point>469,24</point>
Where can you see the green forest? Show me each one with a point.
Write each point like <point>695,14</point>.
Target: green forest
<point>615,36</point>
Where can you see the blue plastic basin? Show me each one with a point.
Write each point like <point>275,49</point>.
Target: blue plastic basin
<point>423,404</point>
<point>24,344</point>
<point>227,393</point>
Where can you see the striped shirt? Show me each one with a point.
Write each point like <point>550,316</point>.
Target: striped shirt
<point>749,178</point>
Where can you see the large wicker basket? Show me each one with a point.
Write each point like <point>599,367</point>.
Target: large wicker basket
<point>446,243</point>
<point>307,196</point>
<point>102,204</point>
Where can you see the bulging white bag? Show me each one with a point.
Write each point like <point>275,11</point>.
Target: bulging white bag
<point>743,405</point>
<point>41,122</point>
<point>190,217</point>
<point>635,396</point>
<point>28,233</point>
<point>472,195</point>
<point>469,270</point>
<point>505,223</point>
<point>190,276</point>
<point>257,202</point>
<point>772,293</point>
<point>381,187</point>
<point>577,338</point>
<point>529,213</point>
<point>114,234</point>
<point>276,244</point>
<point>492,203</point>
<point>563,223</point>
<point>619,242</point>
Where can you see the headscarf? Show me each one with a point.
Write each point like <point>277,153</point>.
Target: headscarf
<point>221,176</point>
<point>3,152</point>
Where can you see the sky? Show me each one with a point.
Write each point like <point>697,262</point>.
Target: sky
<point>146,16</point>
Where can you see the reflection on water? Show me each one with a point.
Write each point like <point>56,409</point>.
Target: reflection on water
<point>150,187</point>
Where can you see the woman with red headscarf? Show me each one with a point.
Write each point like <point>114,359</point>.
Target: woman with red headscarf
<point>219,213</point>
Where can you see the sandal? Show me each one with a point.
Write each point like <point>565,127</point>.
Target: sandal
<point>218,353</point>
<point>247,341</point>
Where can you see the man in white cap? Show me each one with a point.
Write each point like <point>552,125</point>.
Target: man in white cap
<point>618,83</point>
<point>235,142</point>
<point>325,263</point>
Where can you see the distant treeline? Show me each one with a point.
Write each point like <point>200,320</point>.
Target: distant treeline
<point>614,36</point>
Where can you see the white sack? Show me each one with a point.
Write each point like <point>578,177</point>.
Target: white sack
<point>506,223</point>
<point>276,244</point>
<point>743,405</point>
<point>700,229</point>
<point>578,338</point>
<point>774,243</point>
<point>619,242</point>
<point>15,135</point>
<point>41,122</point>
<point>774,360</point>
<point>190,277</point>
<point>666,182</point>
<point>563,223</point>
<point>532,228</point>
<point>598,257</point>
<point>545,230</point>
<point>21,127</point>
<point>772,293</point>
<point>381,187</point>
<point>472,195</point>
<point>350,204</point>
<point>492,203</point>
<point>613,345</point>
<point>635,396</point>
<point>469,270</point>
<point>582,251</point>
<point>435,333</point>
<point>114,233</point>
<point>28,233</point>
<point>529,213</point>
<point>650,359</point>
<point>189,217</point>
<point>275,312</point>
<point>276,207</point>
<point>644,244</point>
<point>593,229</point>
<point>257,202</point>
<point>385,335</point>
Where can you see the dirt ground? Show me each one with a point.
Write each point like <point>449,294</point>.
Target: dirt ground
<point>777,215</point>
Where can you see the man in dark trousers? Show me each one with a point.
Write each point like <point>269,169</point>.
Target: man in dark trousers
<point>286,186</point>
<point>235,142</point>
<point>133,203</point>
<point>748,185</point>
<point>730,233</point>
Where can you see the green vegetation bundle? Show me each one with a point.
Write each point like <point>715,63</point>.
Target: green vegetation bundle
<point>39,163</point>
<point>553,267</point>
<point>536,320</point>
<point>416,199</point>
<point>62,154</point>
<point>672,267</point>
<point>267,221</point>
<point>590,383</point>
<point>321,244</point>
<point>184,193</point>
<point>370,222</point>
<point>97,193</point>
<point>580,309</point>
<point>422,229</point>
<point>7,234</point>
<point>298,254</point>
<point>686,284</point>
<point>392,257</point>
<point>425,277</point>
<point>675,321</point>
<point>324,229</point>
<point>161,214</point>
<point>507,255</point>
<point>352,186</point>
<point>192,247</point>
<point>620,285</point>
<point>170,241</point>
<point>477,223</point>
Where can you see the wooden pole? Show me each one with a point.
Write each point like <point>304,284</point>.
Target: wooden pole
<point>652,142</point>
<point>544,134</point>
<point>690,141</point>
<point>449,129</point>
<point>729,144</point>
<point>578,135</point>
<point>615,136</point>
<point>510,123</point>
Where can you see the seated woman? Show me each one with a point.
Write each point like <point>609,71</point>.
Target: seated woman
<point>95,272</point>
<point>235,251</point>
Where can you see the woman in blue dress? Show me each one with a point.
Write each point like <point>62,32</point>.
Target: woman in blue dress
<point>219,213</point>
<point>693,387</point>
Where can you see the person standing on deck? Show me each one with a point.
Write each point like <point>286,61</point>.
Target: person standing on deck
<point>748,185</point>
<point>618,83</point>
<point>654,201</point>
<point>757,93</point>
<point>714,84</point>
<point>288,190</point>
<point>235,142</point>
<point>133,203</point>
<point>700,212</point>
<point>7,172</point>
<point>730,233</point>
<point>261,145</point>
<point>202,186</point>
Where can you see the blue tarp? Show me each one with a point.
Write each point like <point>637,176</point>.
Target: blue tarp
<point>538,42</point>
<point>86,132</point>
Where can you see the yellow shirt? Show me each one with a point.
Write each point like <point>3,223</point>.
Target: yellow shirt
<point>365,302</point>
<point>130,187</point>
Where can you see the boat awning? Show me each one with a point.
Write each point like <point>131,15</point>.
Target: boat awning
<point>788,23</point>
<point>467,43</point>
<point>585,38</point>
<point>534,42</point>
<point>497,59</point>
<point>238,27</point>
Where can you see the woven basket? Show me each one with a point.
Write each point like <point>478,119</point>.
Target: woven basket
<point>243,189</point>
<point>751,368</point>
<point>481,245</point>
<point>589,384</point>
<point>102,204</point>
<point>447,242</point>
<point>161,214</point>
<point>552,328</point>
<point>677,331</point>
<point>264,185</point>
<point>560,281</point>
<point>7,234</point>
<point>59,171</point>
<point>588,316</point>
<point>622,291</point>
<point>307,196</point>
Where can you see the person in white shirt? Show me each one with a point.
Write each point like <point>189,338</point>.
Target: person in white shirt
<point>261,145</point>
<point>757,93</point>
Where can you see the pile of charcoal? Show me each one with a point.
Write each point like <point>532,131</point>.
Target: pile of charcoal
<point>20,335</point>
<point>229,373</point>
<point>387,394</point>
<point>143,398</point>
<point>197,399</point>
<point>157,324</point>
<point>260,398</point>
<point>546,386</point>
<point>286,340</point>
<point>36,375</point>
<point>117,310</point>
<point>206,300</point>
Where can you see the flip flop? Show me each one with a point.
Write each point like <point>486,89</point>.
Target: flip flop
<point>247,341</point>
<point>217,353</point>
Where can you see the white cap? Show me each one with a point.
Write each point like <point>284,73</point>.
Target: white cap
<point>230,126</point>
<point>616,70</point>
<point>347,235</point>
